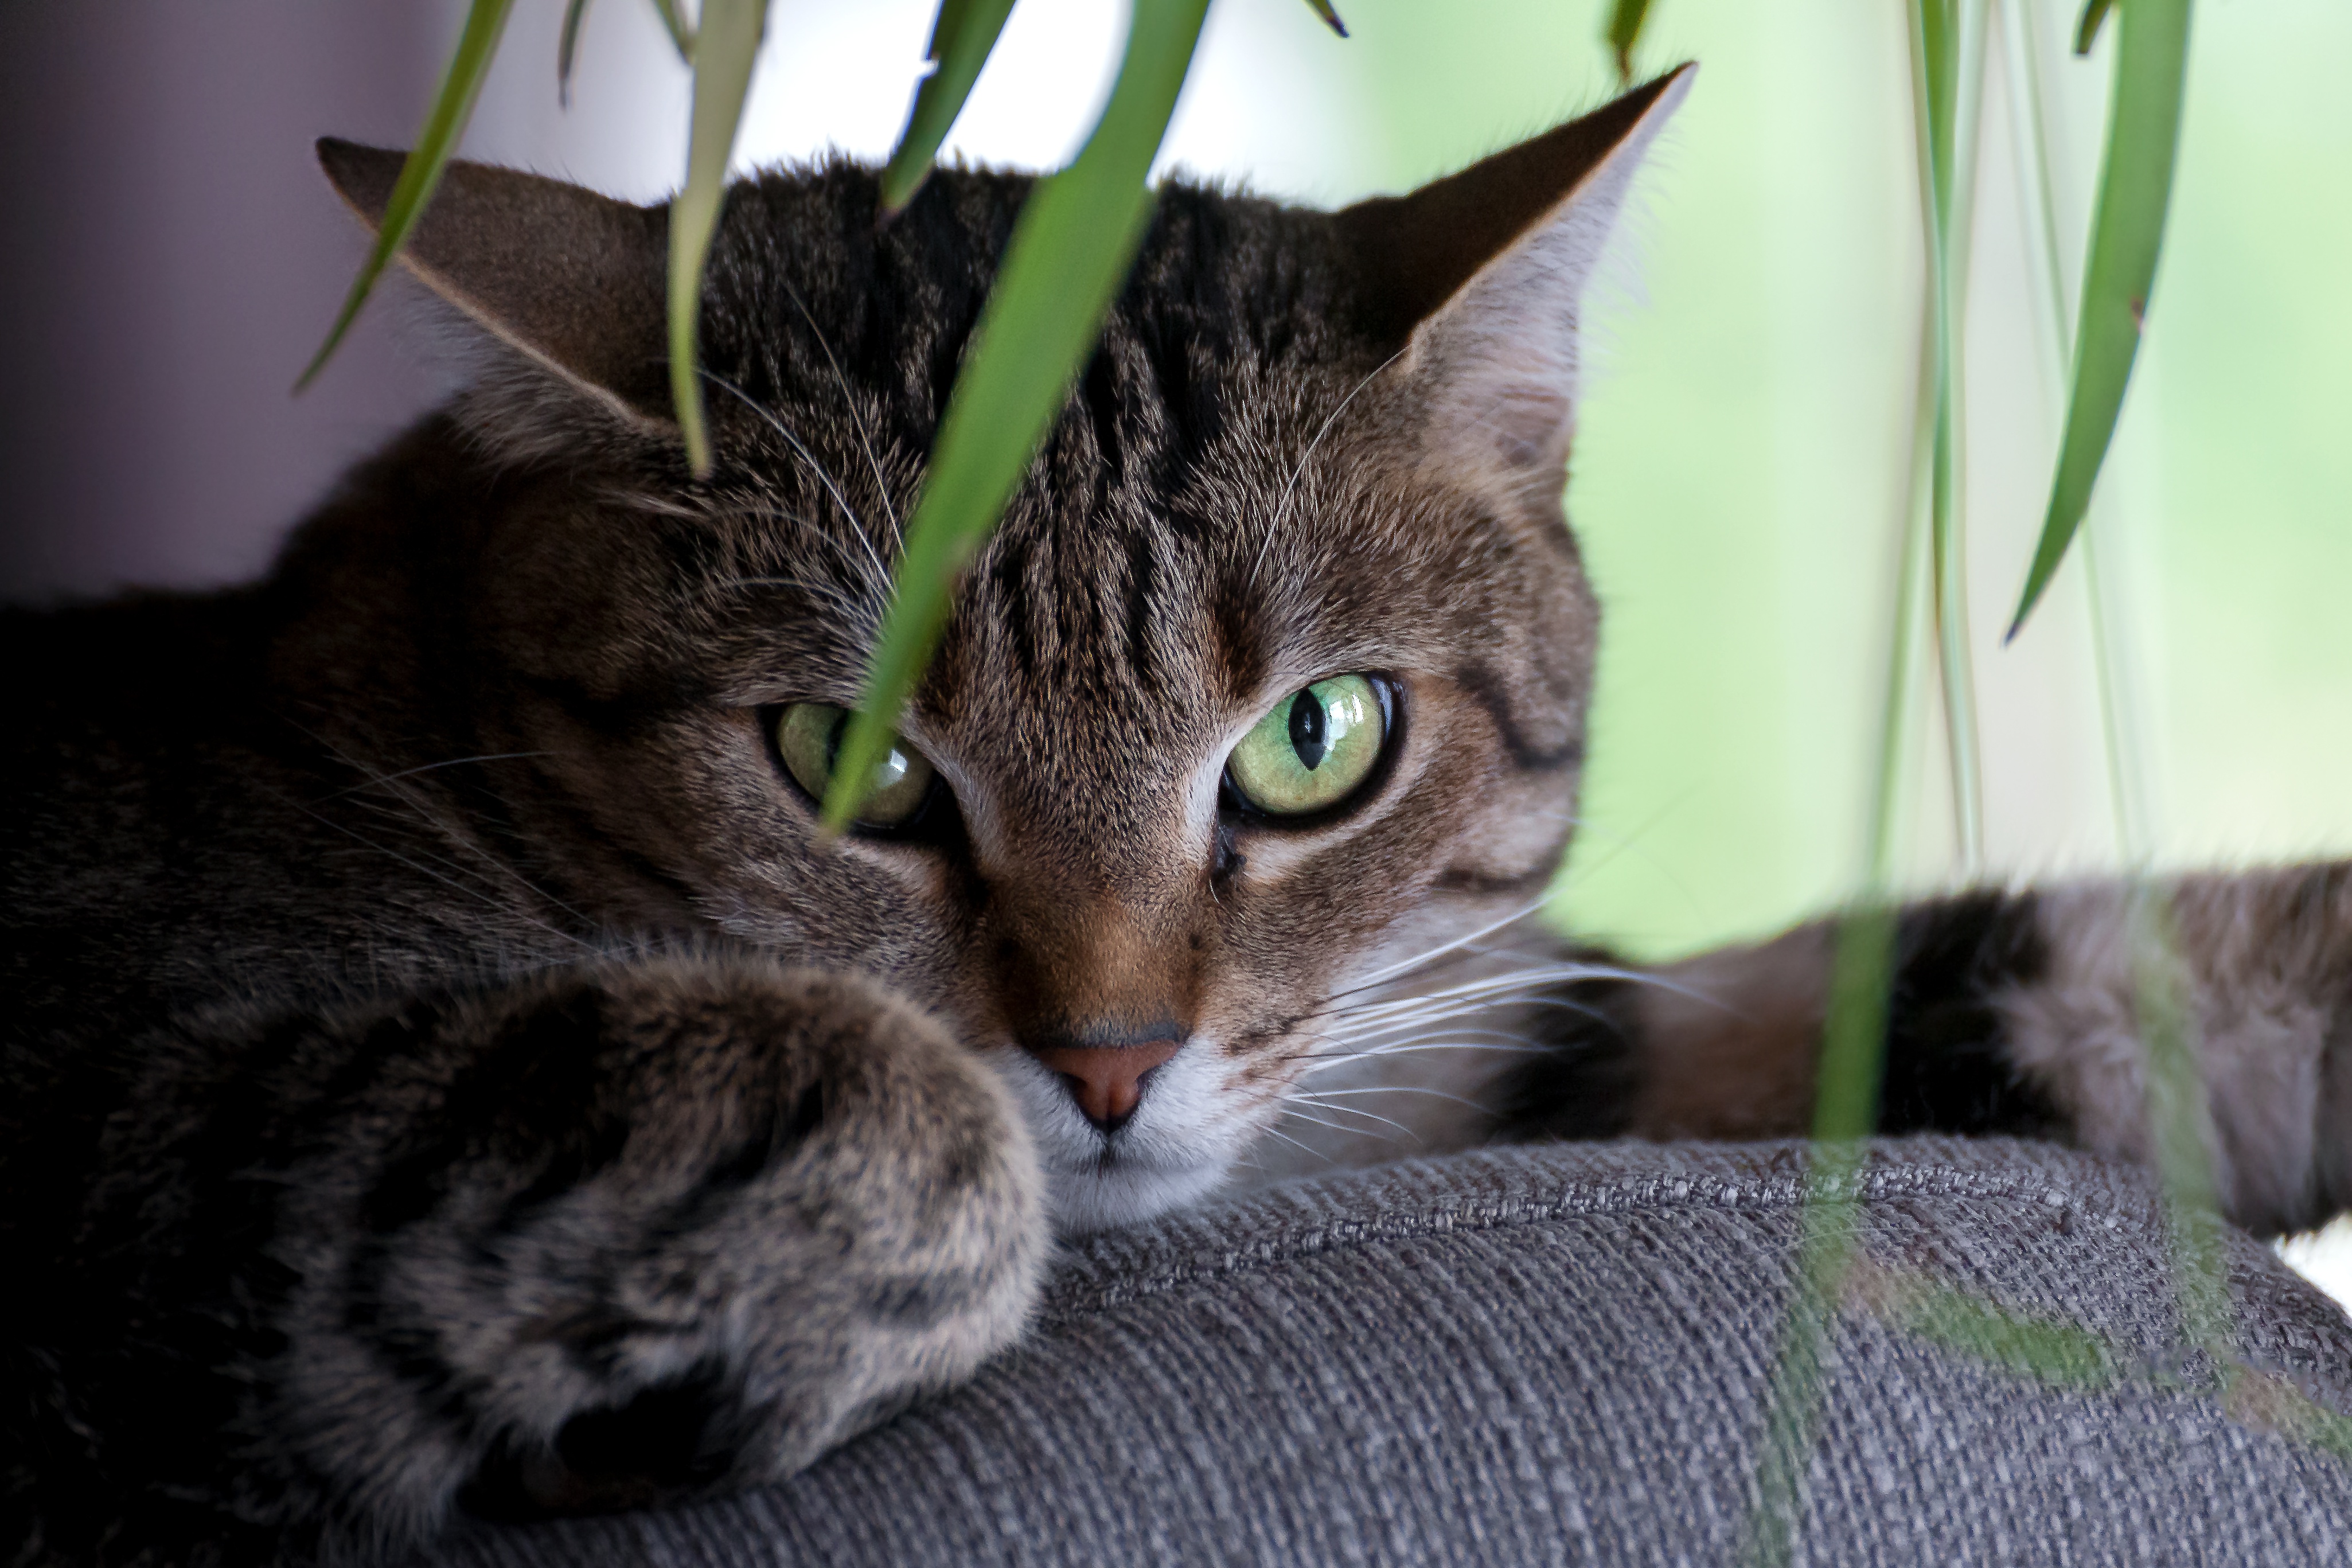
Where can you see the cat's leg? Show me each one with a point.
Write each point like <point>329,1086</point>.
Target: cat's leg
<point>2011,1012</point>
<point>576,1242</point>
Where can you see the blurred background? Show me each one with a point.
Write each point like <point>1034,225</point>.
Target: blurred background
<point>1744,463</point>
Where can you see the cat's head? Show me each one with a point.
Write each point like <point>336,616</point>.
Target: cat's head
<point>1273,681</point>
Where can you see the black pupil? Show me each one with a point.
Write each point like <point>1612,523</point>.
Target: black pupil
<point>1307,730</point>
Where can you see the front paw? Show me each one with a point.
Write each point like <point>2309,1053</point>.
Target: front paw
<point>675,1224</point>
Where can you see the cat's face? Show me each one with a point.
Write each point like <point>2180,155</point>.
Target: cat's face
<point>1315,453</point>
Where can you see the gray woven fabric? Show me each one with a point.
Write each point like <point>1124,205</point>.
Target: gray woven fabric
<point>1558,1355</point>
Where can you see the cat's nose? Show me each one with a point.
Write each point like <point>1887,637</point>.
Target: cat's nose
<point>1107,1081</point>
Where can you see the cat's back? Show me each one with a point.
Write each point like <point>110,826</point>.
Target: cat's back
<point>180,797</point>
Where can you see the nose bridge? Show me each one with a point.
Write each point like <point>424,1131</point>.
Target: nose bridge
<point>1095,967</point>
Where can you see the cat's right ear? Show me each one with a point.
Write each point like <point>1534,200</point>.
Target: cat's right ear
<point>1479,279</point>
<point>555,295</point>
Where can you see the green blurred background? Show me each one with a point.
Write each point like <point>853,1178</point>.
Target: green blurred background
<point>1742,465</point>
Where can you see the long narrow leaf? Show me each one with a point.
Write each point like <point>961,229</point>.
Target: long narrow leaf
<point>673,21</point>
<point>2086,32</point>
<point>1624,31</point>
<point>724,51</point>
<point>1069,252</point>
<point>566,46</point>
<point>453,105</point>
<point>1947,63</point>
<point>962,38</point>
<point>1331,15</point>
<point>2126,235</point>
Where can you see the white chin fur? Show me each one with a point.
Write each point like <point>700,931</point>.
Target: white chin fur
<point>1124,1193</point>
<point>1174,1150</point>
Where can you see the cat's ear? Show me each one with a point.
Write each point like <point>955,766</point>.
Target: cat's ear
<point>1481,277</point>
<point>556,293</point>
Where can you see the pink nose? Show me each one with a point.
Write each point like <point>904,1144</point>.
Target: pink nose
<point>1107,1081</point>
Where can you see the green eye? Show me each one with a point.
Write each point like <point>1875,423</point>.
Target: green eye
<point>1313,750</point>
<point>808,737</point>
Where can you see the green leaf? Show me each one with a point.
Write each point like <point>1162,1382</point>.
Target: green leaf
<point>1949,68</point>
<point>565,47</point>
<point>681,37</point>
<point>1624,31</point>
<point>2087,32</point>
<point>461,84</point>
<point>2126,235</point>
<point>2039,1348</point>
<point>724,51</point>
<point>1069,252</point>
<point>961,36</point>
<point>1331,16</point>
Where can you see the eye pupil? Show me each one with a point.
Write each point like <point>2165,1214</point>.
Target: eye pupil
<point>1309,730</point>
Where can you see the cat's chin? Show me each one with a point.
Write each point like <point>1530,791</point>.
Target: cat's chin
<point>1115,1193</point>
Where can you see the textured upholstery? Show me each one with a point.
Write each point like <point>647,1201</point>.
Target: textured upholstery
<point>1558,1355</point>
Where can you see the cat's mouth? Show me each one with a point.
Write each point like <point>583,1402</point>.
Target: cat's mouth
<point>1171,1152</point>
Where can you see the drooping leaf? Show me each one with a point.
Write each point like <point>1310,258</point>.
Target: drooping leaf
<point>453,105</point>
<point>1949,69</point>
<point>961,37</point>
<point>566,47</point>
<point>2046,1350</point>
<point>1324,9</point>
<point>673,21</point>
<point>2126,236</point>
<point>1069,252</point>
<point>1624,31</point>
<point>2086,32</point>
<point>724,51</point>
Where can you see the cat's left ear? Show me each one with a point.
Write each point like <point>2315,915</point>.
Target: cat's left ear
<point>1481,277</point>
<point>556,293</point>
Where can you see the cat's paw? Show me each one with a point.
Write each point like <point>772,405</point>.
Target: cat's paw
<point>669,1226</point>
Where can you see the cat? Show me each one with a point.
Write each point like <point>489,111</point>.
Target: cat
<point>446,1070</point>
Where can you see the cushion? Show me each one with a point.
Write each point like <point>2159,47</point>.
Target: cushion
<point>1560,1354</point>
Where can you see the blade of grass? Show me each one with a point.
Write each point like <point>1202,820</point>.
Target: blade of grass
<point>2126,236</point>
<point>724,52</point>
<point>453,105</point>
<point>2179,1115</point>
<point>1623,31</point>
<point>2047,1349</point>
<point>1947,61</point>
<point>2086,32</point>
<point>963,35</point>
<point>2178,1108</point>
<point>566,46</point>
<point>673,21</point>
<point>1069,252</point>
<point>1854,1034</point>
<point>1331,16</point>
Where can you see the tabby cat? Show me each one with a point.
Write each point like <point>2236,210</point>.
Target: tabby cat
<point>447,1072</point>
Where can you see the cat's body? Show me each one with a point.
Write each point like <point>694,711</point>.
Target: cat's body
<point>442,1057</point>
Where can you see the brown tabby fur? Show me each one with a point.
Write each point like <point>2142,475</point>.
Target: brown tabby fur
<point>447,1067</point>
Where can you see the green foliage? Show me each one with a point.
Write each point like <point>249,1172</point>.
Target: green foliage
<point>1331,16</point>
<point>962,38</point>
<point>461,84</point>
<point>1068,256</point>
<point>2127,234</point>
<point>1623,32</point>
<point>725,46</point>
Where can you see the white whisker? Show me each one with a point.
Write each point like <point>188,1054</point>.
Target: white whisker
<point>1299,467</point>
